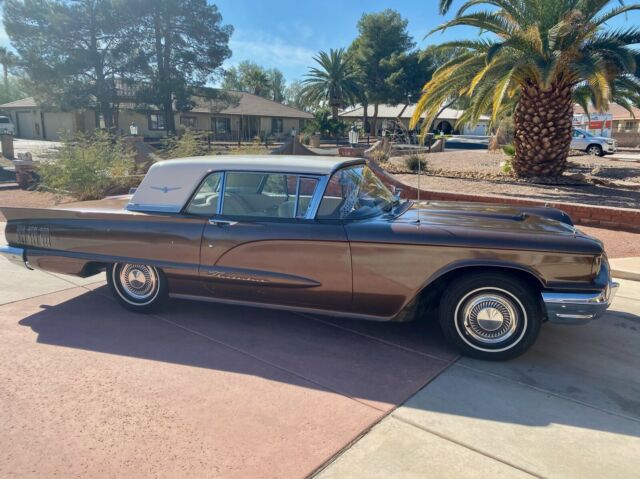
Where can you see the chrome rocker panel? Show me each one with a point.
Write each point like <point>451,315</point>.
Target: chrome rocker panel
<point>578,308</point>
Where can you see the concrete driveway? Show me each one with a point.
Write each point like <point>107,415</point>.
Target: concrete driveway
<point>202,390</point>
<point>90,390</point>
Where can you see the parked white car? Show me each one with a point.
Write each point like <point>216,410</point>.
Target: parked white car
<point>6,125</point>
<point>594,145</point>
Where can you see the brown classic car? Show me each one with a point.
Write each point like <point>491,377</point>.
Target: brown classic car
<point>325,235</point>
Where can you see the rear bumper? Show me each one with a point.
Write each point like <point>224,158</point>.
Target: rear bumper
<point>15,255</point>
<point>577,307</point>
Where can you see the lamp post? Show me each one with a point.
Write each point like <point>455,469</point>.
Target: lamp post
<point>353,136</point>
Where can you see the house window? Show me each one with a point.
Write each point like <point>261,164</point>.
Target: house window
<point>628,125</point>
<point>221,125</point>
<point>276,125</point>
<point>189,121</point>
<point>156,121</point>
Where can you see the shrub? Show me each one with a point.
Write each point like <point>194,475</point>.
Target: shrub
<point>185,145</point>
<point>509,150</point>
<point>506,166</point>
<point>380,156</point>
<point>415,163</point>
<point>89,166</point>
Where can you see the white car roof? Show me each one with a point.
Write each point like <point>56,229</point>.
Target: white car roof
<point>168,184</point>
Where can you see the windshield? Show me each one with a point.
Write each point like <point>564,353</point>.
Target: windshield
<point>585,133</point>
<point>353,193</point>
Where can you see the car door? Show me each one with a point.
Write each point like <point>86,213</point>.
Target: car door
<point>260,247</point>
<point>578,140</point>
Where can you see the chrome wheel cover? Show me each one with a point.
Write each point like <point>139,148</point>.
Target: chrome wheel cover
<point>138,281</point>
<point>490,318</point>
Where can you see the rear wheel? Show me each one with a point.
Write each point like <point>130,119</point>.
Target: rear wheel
<point>137,287</point>
<point>490,316</point>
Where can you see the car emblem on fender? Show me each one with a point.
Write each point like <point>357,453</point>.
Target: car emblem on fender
<point>166,189</point>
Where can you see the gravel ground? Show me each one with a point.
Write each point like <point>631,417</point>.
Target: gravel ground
<point>617,244</point>
<point>11,195</point>
<point>589,194</point>
<point>484,163</point>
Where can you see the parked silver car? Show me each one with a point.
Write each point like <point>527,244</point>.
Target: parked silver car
<point>594,145</point>
<point>6,125</point>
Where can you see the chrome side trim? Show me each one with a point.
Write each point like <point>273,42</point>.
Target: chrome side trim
<point>15,255</point>
<point>578,308</point>
<point>293,309</point>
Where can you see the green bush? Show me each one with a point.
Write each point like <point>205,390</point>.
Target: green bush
<point>89,166</point>
<point>415,163</point>
<point>506,166</point>
<point>380,156</point>
<point>509,150</point>
<point>185,145</point>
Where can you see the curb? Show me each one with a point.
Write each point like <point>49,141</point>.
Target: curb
<point>625,268</point>
<point>623,219</point>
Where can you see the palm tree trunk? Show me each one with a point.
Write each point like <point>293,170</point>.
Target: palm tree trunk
<point>542,124</point>
<point>5,70</point>
<point>374,121</point>
<point>334,112</point>
<point>365,115</point>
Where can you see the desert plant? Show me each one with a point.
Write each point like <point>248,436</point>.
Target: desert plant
<point>415,163</point>
<point>542,56</point>
<point>188,143</point>
<point>380,156</point>
<point>89,166</point>
<point>509,150</point>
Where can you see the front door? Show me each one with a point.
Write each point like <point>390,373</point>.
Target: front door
<point>260,248</point>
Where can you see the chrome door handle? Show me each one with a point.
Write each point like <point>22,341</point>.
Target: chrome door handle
<point>219,222</point>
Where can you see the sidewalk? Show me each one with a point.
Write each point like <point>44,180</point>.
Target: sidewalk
<point>568,408</point>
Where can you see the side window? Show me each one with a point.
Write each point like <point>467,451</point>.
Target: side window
<point>354,193</point>
<point>305,193</point>
<point>269,195</point>
<point>205,201</point>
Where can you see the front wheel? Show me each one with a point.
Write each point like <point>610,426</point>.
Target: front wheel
<point>490,316</point>
<point>595,150</point>
<point>137,287</point>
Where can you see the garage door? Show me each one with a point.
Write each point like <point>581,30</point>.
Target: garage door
<point>26,124</point>
<point>57,125</point>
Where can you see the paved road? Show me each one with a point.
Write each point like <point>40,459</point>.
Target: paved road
<point>218,391</point>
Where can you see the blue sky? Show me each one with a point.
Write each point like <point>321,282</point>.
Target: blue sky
<point>286,34</point>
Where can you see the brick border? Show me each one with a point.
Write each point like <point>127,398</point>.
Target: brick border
<point>624,219</point>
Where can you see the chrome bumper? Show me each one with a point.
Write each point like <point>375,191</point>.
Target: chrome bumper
<point>14,255</point>
<point>578,308</point>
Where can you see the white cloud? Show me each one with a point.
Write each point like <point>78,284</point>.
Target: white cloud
<point>270,51</point>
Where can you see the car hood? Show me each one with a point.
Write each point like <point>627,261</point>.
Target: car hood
<point>481,225</point>
<point>454,215</point>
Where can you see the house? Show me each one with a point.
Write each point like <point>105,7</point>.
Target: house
<point>624,127</point>
<point>246,116</point>
<point>445,122</point>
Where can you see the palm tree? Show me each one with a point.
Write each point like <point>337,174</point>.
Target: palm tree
<point>541,55</point>
<point>334,82</point>
<point>8,59</point>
